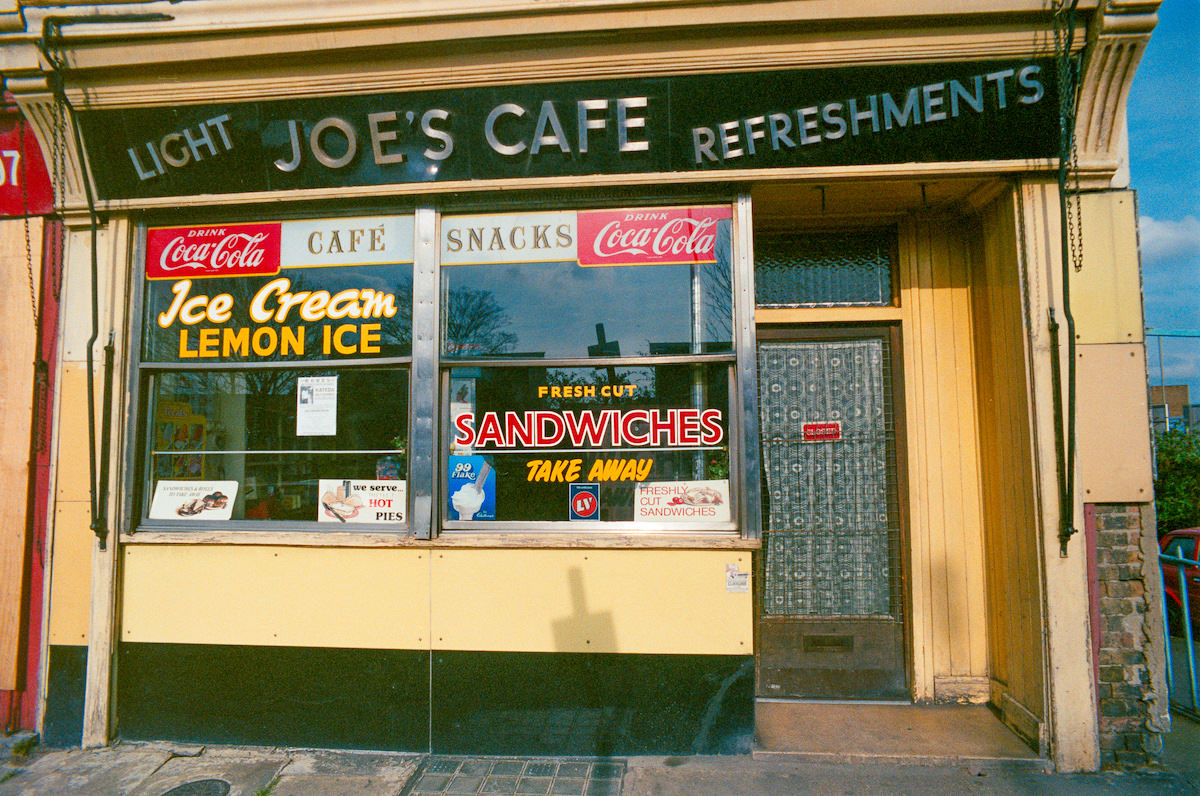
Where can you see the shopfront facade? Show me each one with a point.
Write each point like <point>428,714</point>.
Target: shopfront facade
<point>514,379</point>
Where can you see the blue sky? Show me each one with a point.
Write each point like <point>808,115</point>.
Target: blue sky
<point>1164,134</point>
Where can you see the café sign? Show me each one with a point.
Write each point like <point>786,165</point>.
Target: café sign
<point>942,112</point>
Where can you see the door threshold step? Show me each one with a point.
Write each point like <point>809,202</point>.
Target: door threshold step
<point>1031,763</point>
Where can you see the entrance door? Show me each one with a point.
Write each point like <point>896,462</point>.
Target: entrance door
<point>831,618</point>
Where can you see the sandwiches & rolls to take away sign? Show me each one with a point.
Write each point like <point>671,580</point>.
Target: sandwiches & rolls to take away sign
<point>902,113</point>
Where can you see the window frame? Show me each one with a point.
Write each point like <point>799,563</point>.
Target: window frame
<point>740,493</point>
<point>139,440</point>
<point>428,407</point>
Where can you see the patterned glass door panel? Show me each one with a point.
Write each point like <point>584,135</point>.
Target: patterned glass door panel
<point>831,600</point>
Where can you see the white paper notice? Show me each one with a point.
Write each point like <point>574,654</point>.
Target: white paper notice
<point>357,500</point>
<point>316,406</point>
<point>682,501</point>
<point>193,500</point>
<point>736,582</point>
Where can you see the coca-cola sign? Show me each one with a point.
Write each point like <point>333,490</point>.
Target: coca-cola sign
<point>652,236</point>
<point>220,250</point>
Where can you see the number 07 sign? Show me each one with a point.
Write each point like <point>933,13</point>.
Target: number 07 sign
<point>24,183</point>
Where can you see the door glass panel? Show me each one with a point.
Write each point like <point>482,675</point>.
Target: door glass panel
<point>828,496</point>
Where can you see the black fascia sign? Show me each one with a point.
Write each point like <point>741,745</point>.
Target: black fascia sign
<point>941,112</point>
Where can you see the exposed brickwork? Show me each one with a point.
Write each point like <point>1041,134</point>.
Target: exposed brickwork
<point>1127,737</point>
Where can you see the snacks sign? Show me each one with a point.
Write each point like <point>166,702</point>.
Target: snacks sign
<point>591,238</point>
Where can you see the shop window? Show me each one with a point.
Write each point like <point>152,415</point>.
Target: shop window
<point>275,369</point>
<point>825,269</point>
<point>586,364</point>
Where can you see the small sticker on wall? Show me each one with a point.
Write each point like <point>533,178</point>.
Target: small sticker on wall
<point>736,582</point>
<point>193,500</point>
<point>316,406</point>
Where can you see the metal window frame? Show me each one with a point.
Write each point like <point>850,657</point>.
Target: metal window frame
<point>429,374</point>
<point>137,457</point>
<point>742,426</point>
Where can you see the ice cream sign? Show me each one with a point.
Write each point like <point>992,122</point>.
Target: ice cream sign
<point>471,489</point>
<point>265,290</point>
<point>590,238</point>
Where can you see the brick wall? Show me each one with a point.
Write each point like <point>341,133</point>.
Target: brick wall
<point>1130,734</point>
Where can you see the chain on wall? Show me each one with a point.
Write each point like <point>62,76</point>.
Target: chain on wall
<point>1067,67</point>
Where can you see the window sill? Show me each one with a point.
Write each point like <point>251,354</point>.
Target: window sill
<point>632,541</point>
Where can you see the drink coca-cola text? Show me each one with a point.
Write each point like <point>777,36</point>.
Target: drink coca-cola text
<point>672,235</point>
<point>241,250</point>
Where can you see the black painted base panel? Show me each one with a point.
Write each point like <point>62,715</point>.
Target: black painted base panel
<point>66,673</point>
<point>442,702</point>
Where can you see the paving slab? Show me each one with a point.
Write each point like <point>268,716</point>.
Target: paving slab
<point>338,773</point>
<point>351,763</point>
<point>729,776</point>
<point>329,785</point>
<point>248,771</point>
<point>117,771</point>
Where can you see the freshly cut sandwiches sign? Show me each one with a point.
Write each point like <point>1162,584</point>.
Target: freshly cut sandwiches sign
<point>988,110</point>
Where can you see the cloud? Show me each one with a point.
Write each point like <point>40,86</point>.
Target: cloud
<point>1168,240</point>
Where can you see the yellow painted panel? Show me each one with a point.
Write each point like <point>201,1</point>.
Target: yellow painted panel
<point>278,596</point>
<point>947,578</point>
<point>1106,293</point>
<point>71,473</point>
<point>638,601</point>
<point>71,573</point>
<point>1011,547</point>
<point>16,407</point>
<point>1114,441</point>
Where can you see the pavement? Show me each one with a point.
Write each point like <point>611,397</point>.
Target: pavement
<point>172,769</point>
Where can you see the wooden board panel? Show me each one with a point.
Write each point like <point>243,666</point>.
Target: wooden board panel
<point>947,576</point>
<point>19,331</point>
<point>1006,462</point>
<point>277,596</point>
<point>1114,438</point>
<point>1106,292</point>
<point>639,601</point>
<point>71,573</point>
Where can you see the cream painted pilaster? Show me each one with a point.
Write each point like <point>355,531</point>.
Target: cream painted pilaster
<point>1071,702</point>
<point>112,254</point>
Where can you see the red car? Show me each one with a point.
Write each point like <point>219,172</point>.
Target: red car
<point>1181,544</point>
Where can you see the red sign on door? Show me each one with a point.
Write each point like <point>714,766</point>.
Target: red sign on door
<point>821,432</point>
<point>218,250</point>
<point>24,183</point>
<point>650,236</point>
